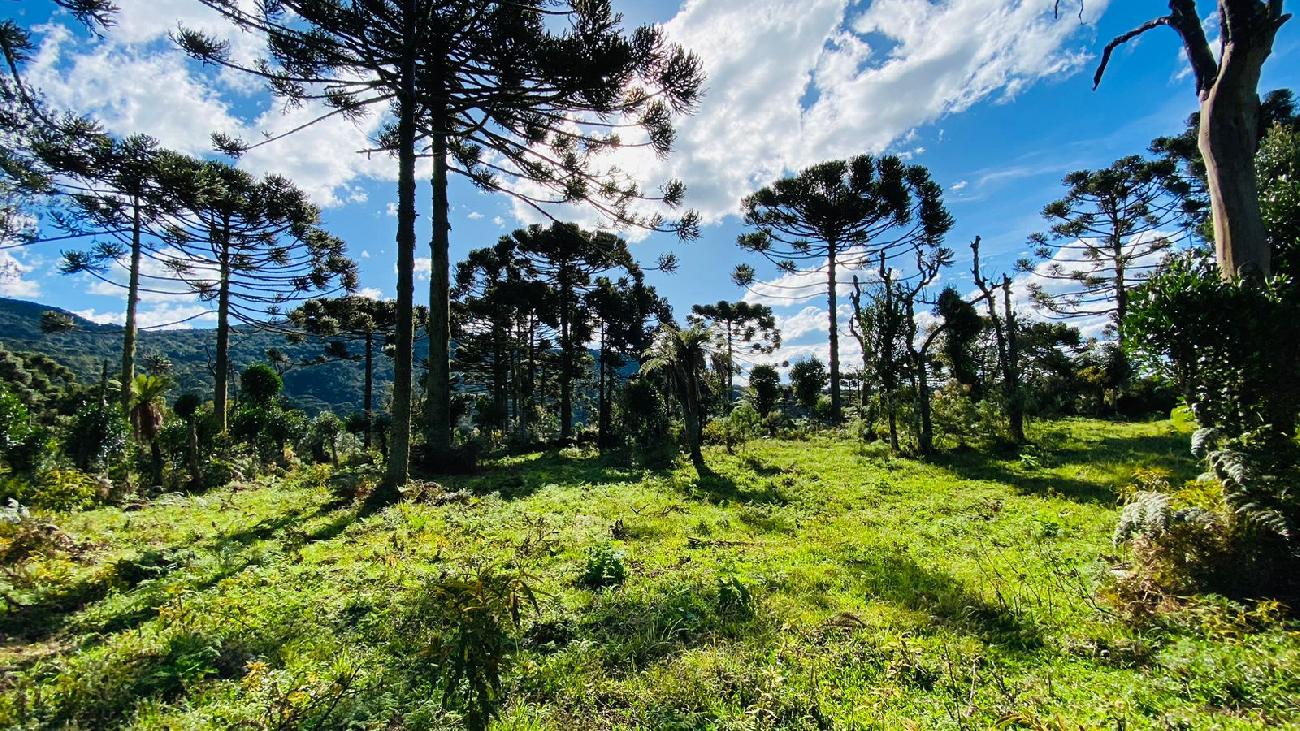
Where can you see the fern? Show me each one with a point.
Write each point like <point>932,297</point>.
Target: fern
<point>1202,440</point>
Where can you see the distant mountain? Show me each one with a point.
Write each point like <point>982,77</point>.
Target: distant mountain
<point>337,386</point>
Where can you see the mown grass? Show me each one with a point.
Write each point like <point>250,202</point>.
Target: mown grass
<point>874,592</point>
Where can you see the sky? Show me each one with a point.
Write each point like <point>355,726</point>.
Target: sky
<point>993,96</point>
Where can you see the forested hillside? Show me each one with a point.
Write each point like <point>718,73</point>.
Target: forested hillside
<point>330,386</point>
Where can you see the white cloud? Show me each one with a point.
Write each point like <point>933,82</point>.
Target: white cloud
<point>791,83</point>
<point>373,293</point>
<point>474,215</point>
<point>134,81</point>
<point>169,316</point>
<point>13,277</point>
<point>959,185</point>
<point>391,210</point>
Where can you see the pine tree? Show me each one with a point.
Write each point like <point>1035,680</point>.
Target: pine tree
<point>844,213</point>
<point>250,245</point>
<point>568,259</point>
<point>346,322</point>
<point>744,323</point>
<point>500,97</point>
<point>1107,234</point>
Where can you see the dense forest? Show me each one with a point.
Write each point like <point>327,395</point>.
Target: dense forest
<point>1045,487</point>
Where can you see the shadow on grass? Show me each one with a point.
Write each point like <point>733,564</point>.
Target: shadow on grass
<point>520,480</point>
<point>1166,452</point>
<point>900,580</point>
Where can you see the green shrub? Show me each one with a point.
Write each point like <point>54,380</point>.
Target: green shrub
<point>96,437</point>
<point>603,568</point>
<point>52,489</point>
<point>463,630</point>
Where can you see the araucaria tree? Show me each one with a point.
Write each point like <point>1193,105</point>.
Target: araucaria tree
<point>1227,86</point>
<point>568,259</point>
<point>626,314</point>
<point>1107,234</point>
<point>751,325</point>
<point>251,246</point>
<point>117,192</point>
<point>502,92</point>
<point>844,213</point>
<point>347,322</point>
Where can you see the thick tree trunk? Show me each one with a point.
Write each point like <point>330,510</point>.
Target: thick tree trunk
<point>369,389</point>
<point>693,427</point>
<point>1228,140</point>
<point>438,404</point>
<point>399,447</point>
<point>1011,369</point>
<point>566,364</point>
<point>132,302</point>
<point>731,370</point>
<point>222,374</point>
<point>831,294</point>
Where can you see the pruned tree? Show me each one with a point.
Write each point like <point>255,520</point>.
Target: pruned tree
<point>1002,321</point>
<point>844,213</point>
<point>878,324</point>
<point>751,325</point>
<point>251,246</point>
<point>765,383</point>
<point>808,380</point>
<point>1227,87</point>
<point>1107,234</point>
<point>347,322</point>
<point>919,344</point>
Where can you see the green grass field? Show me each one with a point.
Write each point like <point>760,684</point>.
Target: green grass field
<point>817,584</point>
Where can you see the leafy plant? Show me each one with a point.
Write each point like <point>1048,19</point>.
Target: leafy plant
<point>604,567</point>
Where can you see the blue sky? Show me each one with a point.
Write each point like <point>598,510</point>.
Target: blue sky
<point>994,96</point>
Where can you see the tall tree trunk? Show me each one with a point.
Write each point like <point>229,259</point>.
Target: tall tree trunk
<point>1011,370</point>
<point>438,405</point>
<point>831,296</point>
<point>566,364</point>
<point>602,409</point>
<point>132,302</point>
<point>399,447</point>
<point>731,371</point>
<point>222,374</point>
<point>369,389</point>
<point>1228,139</point>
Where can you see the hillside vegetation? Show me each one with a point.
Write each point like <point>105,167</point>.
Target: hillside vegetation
<point>797,584</point>
<point>335,385</point>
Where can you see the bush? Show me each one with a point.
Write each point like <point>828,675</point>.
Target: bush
<point>53,489</point>
<point>260,383</point>
<point>604,567</point>
<point>462,630</point>
<point>96,437</point>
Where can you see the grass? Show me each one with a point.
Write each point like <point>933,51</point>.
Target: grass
<point>817,584</point>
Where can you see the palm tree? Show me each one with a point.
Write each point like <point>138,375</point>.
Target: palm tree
<point>147,416</point>
<point>682,354</point>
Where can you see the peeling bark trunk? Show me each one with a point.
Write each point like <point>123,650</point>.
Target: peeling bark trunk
<point>831,294</point>
<point>1228,142</point>
<point>399,445</point>
<point>132,302</point>
<point>438,403</point>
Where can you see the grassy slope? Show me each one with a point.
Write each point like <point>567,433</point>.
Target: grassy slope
<point>889,594</point>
